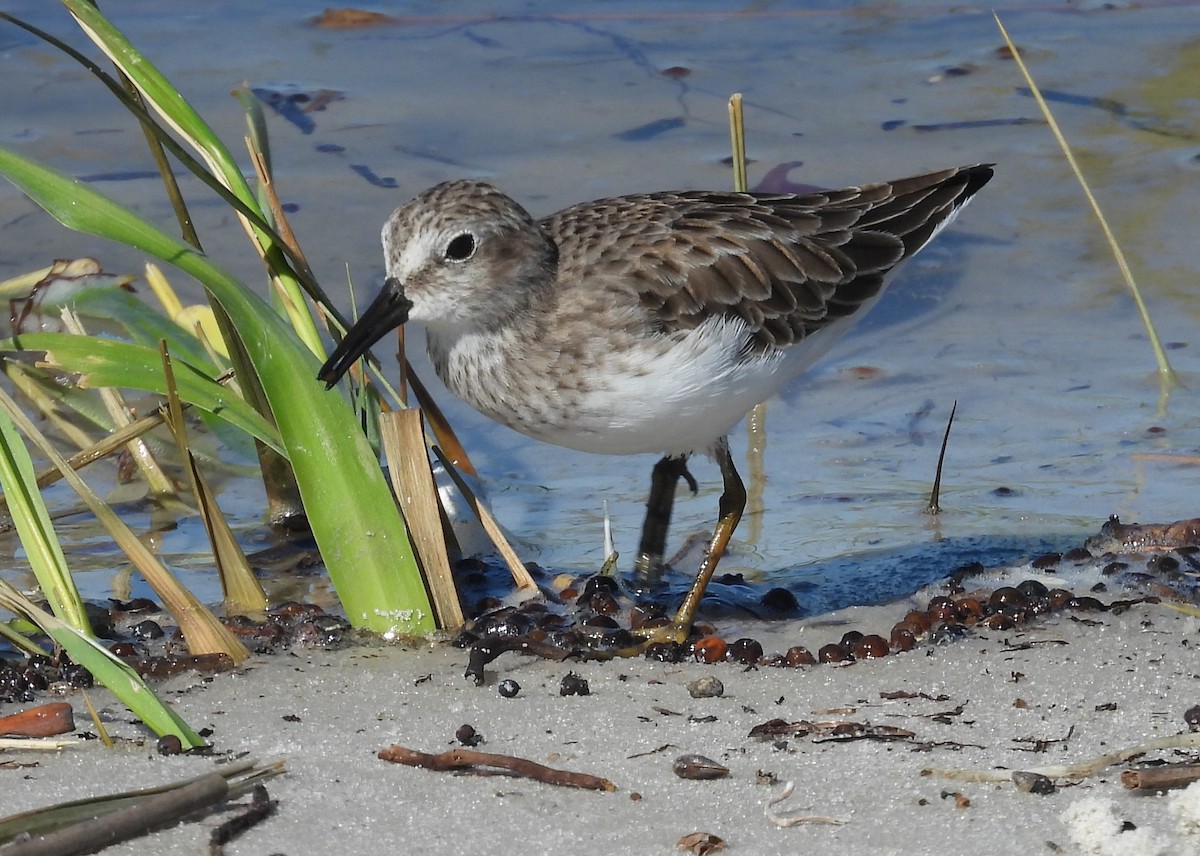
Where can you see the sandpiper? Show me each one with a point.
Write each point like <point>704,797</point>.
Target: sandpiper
<point>644,323</point>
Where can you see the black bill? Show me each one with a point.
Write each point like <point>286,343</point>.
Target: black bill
<point>386,313</point>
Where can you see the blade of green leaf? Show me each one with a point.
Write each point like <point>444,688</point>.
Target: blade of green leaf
<point>353,516</point>
<point>108,362</point>
<point>183,118</point>
<point>121,680</point>
<point>32,520</point>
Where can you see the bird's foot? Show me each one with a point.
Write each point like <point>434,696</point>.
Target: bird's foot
<point>672,634</point>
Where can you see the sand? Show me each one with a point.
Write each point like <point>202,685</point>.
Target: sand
<point>1054,692</point>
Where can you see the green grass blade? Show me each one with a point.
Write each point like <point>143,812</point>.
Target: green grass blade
<point>121,680</point>
<point>35,530</point>
<point>354,519</point>
<point>107,362</point>
<point>183,118</point>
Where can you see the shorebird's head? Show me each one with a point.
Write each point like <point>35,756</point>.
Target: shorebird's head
<point>468,255</point>
<point>461,256</point>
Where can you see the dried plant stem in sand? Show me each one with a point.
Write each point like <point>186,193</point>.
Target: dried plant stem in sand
<point>1166,375</point>
<point>1074,771</point>
<point>487,763</point>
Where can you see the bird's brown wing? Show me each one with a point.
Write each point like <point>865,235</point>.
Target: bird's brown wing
<point>788,265</point>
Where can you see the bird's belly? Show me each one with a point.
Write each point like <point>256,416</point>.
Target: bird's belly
<point>666,399</point>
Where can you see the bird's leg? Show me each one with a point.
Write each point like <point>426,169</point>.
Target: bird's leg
<point>667,473</point>
<point>733,503</point>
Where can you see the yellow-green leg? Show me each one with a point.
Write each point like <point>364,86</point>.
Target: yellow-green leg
<point>733,503</point>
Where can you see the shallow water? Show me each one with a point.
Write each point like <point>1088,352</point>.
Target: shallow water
<point>1017,312</point>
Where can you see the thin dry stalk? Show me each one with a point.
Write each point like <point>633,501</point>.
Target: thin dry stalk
<point>412,481</point>
<point>795,819</point>
<point>243,592</point>
<point>1161,778</point>
<point>756,420</point>
<point>483,762</point>
<point>157,480</point>
<point>1074,771</point>
<point>97,723</point>
<point>1166,374</point>
<point>935,494</point>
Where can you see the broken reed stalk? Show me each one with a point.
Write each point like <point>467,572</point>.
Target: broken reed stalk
<point>1166,374</point>
<point>403,437</point>
<point>934,506</point>
<point>487,763</point>
<point>243,592</point>
<point>1161,778</point>
<point>126,823</point>
<point>756,420</point>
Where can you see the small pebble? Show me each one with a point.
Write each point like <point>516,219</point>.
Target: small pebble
<point>1033,783</point>
<point>508,688</point>
<point>698,767</point>
<point>1192,717</point>
<point>746,651</point>
<point>468,736</point>
<point>572,684</point>
<point>709,649</point>
<point>706,687</point>
<point>169,744</point>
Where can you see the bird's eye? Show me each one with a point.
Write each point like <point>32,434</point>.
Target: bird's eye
<point>461,248</point>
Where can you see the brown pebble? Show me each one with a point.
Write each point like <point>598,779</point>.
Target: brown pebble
<point>999,621</point>
<point>871,647</point>
<point>169,744</point>
<point>745,651</point>
<point>1006,595</point>
<point>467,735</point>
<point>1046,560</point>
<point>1032,588</point>
<point>698,767</point>
<point>832,653</point>
<point>969,609</point>
<point>1059,597</point>
<point>942,609</point>
<point>903,637</point>
<point>603,603</point>
<point>919,620</point>
<point>710,649</point>
<point>640,615</point>
<point>798,655</point>
<point>1192,717</point>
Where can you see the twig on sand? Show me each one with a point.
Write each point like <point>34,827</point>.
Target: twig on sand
<point>126,823</point>
<point>1161,778</point>
<point>1074,771</point>
<point>470,759</point>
